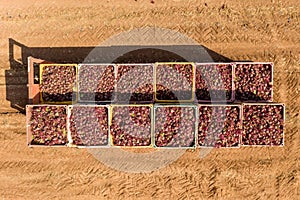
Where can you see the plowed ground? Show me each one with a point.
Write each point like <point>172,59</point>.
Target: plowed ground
<point>240,30</point>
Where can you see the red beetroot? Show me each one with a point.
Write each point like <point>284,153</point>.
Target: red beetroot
<point>174,81</point>
<point>214,82</point>
<point>89,125</point>
<point>131,125</point>
<point>263,124</point>
<point>219,126</point>
<point>175,126</point>
<point>57,83</point>
<point>96,82</point>
<point>253,82</point>
<point>135,83</point>
<point>48,125</point>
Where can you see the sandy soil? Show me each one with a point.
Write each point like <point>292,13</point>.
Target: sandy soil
<point>240,30</point>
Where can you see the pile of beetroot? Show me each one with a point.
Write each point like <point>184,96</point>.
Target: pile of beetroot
<point>135,83</point>
<point>57,83</point>
<point>253,82</point>
<point>214,82</point>
<point>89,125</point>
<point>175,126</point>
<point>131,125</point>
<point>263,125</point>
<point>47,125</point>
<point>96,83</point>
<point>174,82</point>
<point>219,126</point>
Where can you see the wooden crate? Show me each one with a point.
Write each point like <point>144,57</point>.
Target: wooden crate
<point>70,133</point>
<point>255,97</point>
<point>74,100</point>
<point>181,133</point>
<point>237,131</point>
<point>29,131</point>
<point>150,126</point>
<point>246,133</point>
<point>198,66</point>
<point>124,96</point>
<point>82,96</point>
<point>191,91</point>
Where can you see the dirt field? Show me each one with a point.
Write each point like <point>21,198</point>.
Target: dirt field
<point>240,30</point>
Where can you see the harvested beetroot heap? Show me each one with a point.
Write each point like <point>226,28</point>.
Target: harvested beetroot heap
<point>214,82</point>
<point>175,126</point>
<point>96,82</point>
<point>48,125</point>
<point>89,125</point>
<point>263,124</point>
<point>57,83</point>
<point>174,82</point>
<point>219,126</point>
<point>253,82</point>
<point>131,126</point>
<point>135,83</point>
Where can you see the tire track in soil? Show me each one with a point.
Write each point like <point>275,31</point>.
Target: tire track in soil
<point>257,180</point>
<point>25,166</point>
<point>286,183</point>
<point>124,188</point>
<point>230,178</point>
<point>279,87</point>
<point>292,112</point>
<point>184,182</point>
<point>82,176</point>
<point>64,179</point>
<point>212,180</point>
<point>190,187</point>
<point>152,187</point>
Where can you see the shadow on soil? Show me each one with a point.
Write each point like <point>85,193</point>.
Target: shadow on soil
<point>17,76</point>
